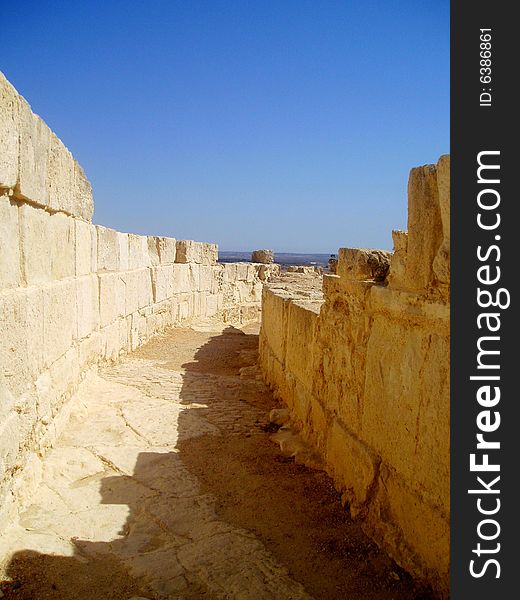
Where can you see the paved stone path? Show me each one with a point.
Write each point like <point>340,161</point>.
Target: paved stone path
<point>132,505</point>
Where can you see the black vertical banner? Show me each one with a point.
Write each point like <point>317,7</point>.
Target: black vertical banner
<point>485,359</point>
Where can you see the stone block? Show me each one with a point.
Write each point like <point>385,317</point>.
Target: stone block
<point>108,249</point>
<point>182,277</point>
<point>111,298</point>
<point>124,251</point>
<point>9,134</point>
<point>408,382</point>
<point>10,270</point>
<point>131,282</point>
<point>60,177</point>
<point>425,229</point>
<point>64,373</point>
<point>189,251</point>
<point>301,327</point>
<point>87,299</point>
<point>21,332</point>
<point>162,282</point>
<point>83,203</point>
<point>211,305</point>
<point>274,325</point>
<point>167,250</point>
<point>414,531</point>
<point>61,246</point>
<point>441,263</point>
<point>48,246</point>
<point>139,256</point>
<point>86,248</point>
<point>60,319</point>
<point>362,264</point>
<point>397,272</point>
<point>351,463</point>
<point>145,293</point>
<point>206,282</point>
<point>153,250</point>
<point>35,142</point>
<point>262,256</point>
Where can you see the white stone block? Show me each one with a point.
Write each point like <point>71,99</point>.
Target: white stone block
<point>111,298</point>
<point>9,134</point>
<point>153,250</point>
<point>21,335</point>
<point>60,319</point>
<point>87,299</point>
<point>131,280</point>
<point>138,251</point>
<point>167,250</point>
<point>35,141</point>
<point>10,271</point>
<point>83,205</point>
<point>86,247</point>
<point>124,256</point>
<point>108,249</point>
<point>182,278</point>
<point>163,285</point>
<point>145,295</point>
<point>60,177</point>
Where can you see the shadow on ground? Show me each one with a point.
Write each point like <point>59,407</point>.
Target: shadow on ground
<point>220,514</point>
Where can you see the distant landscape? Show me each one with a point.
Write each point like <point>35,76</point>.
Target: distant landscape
<point>282,258</point>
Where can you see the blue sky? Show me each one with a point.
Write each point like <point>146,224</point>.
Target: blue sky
<point>282,124</point>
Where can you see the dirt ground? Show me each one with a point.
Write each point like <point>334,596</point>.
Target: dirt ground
<point>214,509</point>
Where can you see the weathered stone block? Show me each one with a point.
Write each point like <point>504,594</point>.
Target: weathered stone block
<point>397,273</point>
<point>60,319</point>
<point>362,264</point>
<point>48,247</point>
<point>10,271</point>
<point>87,299</point>
<point>108,249</point>
<point>145,295</point>
<point>35,141</point>
<point>9,134</point>
<point>60,177</point>
<point>86,247</point>
<point>276,307</point>
<point>111,298</point>
<point>262,256</point>
<point>21,332</point>
<point>188,251</point>
<point>167,250</point>
<point>162,282</point>
<point>411,528</point>
<point>124,256</point>
<point>138,251</point>
<point>441,263</point>
<point>301,326</point>
<point>425,233</point>
<point>153,250</point>
<point>183,278</point>
<point>351,463</point>
<point>83,203</point>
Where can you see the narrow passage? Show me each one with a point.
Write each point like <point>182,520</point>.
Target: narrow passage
<point>166,484</point>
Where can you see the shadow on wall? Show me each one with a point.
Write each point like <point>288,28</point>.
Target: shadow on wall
<point>202,510</point>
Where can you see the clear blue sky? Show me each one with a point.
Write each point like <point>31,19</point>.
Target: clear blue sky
<point>283,124</point>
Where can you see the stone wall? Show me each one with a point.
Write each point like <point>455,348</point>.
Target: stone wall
<point>364,370</point>
<point>74,294</point>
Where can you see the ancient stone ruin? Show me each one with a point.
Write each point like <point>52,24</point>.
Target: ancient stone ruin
<point>360,360</point>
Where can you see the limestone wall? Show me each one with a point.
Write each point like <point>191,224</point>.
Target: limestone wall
<point>74,294</point>
<point>364,370</point>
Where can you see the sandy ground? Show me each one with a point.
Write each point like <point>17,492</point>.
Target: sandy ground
<point>167,484</point>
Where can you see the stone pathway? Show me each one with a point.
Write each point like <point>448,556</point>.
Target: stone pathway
<point>165,484</point>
